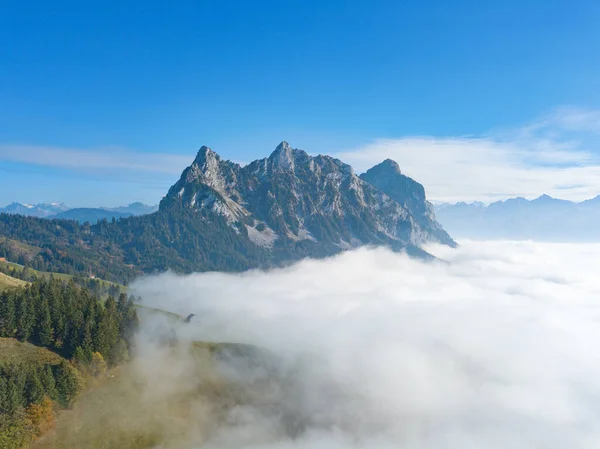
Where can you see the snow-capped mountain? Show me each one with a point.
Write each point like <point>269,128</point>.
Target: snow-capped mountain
<point>34,210</point>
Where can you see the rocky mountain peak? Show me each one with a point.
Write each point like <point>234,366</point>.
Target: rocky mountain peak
<point>283,146</point>
<point>284,156</point>
<point>205,155</point>
<point>388,167</point>
<point>386,176</point>
<point>292,197</point>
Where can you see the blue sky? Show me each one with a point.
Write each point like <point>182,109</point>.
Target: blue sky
<point>103,103</point>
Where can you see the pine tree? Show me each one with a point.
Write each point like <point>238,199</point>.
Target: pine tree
<point>8,314</point>
<point>74,330</point>
<point>81,356</point>
<point>69,383</point>
<point>107,330</point>
<point>25,318</point>
<point>13,396</point>
<point>3,394</point>
<point>34,390</point>
<point>48,382</point>
<point>45,334</point>
<point>119,353</point>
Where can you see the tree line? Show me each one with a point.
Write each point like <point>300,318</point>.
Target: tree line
<point>68,319</point>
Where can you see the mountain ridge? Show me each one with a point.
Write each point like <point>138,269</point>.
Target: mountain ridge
<point>292,196</point>
<point>81,214</point>
<point>543,218</point>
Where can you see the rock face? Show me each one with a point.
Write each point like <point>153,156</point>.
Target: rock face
<point>298,205</point>
<point>388,178</point>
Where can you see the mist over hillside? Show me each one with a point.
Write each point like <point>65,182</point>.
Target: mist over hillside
<point>493,349</point>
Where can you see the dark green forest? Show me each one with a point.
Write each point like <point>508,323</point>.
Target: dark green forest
<point>68,319</point>
<point>178,239</point>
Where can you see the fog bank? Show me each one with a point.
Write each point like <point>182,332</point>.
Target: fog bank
<point>495,349</point>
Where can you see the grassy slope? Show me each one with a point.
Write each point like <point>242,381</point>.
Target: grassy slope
<point>10,282</point>
<point>14,353</point>
<point>47,275</point>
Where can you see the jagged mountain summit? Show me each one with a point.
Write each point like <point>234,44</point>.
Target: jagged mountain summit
<point>296,204</point>
<point>388,178</point>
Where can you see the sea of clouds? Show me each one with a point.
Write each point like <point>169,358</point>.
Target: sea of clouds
<point>494,347</point>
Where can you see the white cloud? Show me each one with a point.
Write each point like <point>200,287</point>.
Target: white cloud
<point>556,155</point>
<point>98,159</point>
<point>495,349</point>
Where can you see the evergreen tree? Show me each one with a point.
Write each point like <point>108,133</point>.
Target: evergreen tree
<point>34,390</point>
<point>48,382</point>
<point>81,356</point>
<point>3,395</point>
<point>69,383</point>
<point>8,314</point>
<point>13,396</point>
<point>45,334</point>
<point>25,318</point>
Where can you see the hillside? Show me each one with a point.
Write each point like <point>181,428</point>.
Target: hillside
<point>33,382</point>
<point>55,338</point>
<point>10,282</point>
<point>129,410</point>
<point>19,275</point>
<point>15,353</point>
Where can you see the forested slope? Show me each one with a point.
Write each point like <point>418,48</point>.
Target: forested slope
<point>76,336</point>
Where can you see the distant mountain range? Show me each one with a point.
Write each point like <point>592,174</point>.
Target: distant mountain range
<point>41,210</point>
<point>221,216</point>
<point>92,215</point>
<point>543,219</point>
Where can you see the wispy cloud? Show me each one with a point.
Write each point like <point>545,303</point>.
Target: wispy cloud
<point>555,155</point>
<point>110,158</point>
